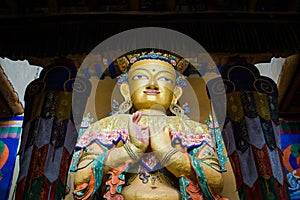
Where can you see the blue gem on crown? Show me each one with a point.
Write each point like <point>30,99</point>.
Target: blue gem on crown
<point>155,55</point>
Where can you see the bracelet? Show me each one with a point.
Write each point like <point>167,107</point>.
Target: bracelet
<point>210,158</point>
<point>87,157</point>
<point>80,168</point>
<point>168,156</point>
<point>214,166</point>
<point>131,154</point>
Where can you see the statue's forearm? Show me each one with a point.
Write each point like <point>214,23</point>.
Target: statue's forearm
<point>179,164</point>
<point>116,157</point>
<point>121,155</point>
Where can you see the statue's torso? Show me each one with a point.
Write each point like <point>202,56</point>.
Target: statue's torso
<point>110,130</point>
<point>160,184</point>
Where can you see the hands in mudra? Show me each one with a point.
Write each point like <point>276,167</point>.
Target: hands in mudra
<point>153,136</point>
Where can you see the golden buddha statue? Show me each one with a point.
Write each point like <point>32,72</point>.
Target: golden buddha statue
<point>156,152</point>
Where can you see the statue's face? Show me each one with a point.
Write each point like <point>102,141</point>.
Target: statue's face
<point>151,83</point>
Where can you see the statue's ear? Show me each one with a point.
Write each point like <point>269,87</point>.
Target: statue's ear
<point>124,88</point>
<point>177,94</point>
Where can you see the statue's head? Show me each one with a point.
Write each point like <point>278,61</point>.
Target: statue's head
<point>151,82</point>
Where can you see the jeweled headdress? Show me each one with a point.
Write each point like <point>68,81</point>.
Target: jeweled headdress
<point>126,61</point>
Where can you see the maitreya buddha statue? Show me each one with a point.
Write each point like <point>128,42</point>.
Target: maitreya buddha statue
<point>148,149</point>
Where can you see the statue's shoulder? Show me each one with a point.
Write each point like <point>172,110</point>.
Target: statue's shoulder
<point>187,126</point>
<point>111,123</point>
<point>190,133</point>
<point>106,131</point>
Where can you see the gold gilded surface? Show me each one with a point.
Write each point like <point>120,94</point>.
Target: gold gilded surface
<point>120,121</point>
<point>156,188</point>
<point>151,83</point>
<point>152,89</point>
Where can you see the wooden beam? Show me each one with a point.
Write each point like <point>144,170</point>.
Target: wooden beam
<point>171,4</point>
<point>293,5</point>
<point>252,5</point>
<point>13,5</point>
<point>53,6</point>
<point>212,5</point>
<point>134,5</point>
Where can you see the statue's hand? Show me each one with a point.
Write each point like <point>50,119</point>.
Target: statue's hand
<point>83,175</point>
<point>139,135</point>
<point>82,179</point>
<point>160,139</point>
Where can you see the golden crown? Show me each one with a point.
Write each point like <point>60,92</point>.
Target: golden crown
<point>125,62</point>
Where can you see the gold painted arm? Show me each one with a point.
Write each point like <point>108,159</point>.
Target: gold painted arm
<point>84,179</point>
<point>179,164</point>
<point>84,170</point>
<point>172,158</point>
<point>213,177</point>
<point>120,155</point>
<point>116,157</point>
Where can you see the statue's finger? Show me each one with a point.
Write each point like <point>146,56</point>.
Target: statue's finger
<point>134,117</point>
<point>145,127</point>
<point>139,116</point>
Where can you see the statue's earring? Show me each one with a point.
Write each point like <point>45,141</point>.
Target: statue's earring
<point>127,104</point>
<point>174,107</point>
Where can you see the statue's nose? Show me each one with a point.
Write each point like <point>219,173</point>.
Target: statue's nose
<point>152,87</point>
<point>152,84</point>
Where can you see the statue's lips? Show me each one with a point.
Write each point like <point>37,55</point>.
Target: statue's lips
<point>151,92</point>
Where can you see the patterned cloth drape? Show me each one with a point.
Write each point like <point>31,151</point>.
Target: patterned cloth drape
<point>49,133</point>
<point>252,135</point>
<point>10,131</point>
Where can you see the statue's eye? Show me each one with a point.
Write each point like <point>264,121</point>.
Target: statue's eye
<point>165,79</point>
<point>136,77</point>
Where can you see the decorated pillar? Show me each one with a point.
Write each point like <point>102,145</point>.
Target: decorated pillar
<point>49,133</point>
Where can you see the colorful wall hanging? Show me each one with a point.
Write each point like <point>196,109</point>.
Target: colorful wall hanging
<point>10,131</point>
<point>290,142</point>
<point>251,133</point>
<point>49,133</point>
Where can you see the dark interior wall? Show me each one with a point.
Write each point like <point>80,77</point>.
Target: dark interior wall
<point>61,35</point>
